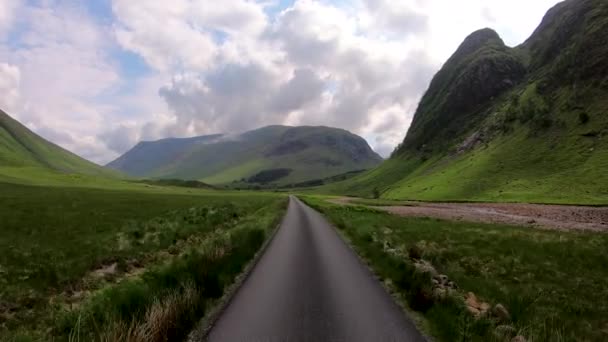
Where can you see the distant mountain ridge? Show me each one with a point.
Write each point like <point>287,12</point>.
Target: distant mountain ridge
<point>20,147</point>
<point>527,123</point>
<point>292,154</point>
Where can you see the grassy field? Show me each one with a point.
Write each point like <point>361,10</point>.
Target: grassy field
<point>552,283</point>
<point>94,264</point>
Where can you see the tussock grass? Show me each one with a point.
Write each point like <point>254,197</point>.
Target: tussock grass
<point>56,244</point>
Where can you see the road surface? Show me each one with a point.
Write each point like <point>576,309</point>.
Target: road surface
<point>310,286</point>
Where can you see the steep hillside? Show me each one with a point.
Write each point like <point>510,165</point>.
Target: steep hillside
<point>273,154</point>
<point>510,124</point>
<point>20,148</point>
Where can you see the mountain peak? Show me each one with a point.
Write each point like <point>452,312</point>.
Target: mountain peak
<point>308,152</point>
<point>478,40</point>
<point>483,67</point>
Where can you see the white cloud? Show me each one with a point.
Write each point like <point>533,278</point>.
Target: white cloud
<point>357,66</point>
<point>228,66</point>
<point>184,34</point>
<point>10,78</point>
<point>8,9</point>
<point>64,68</point>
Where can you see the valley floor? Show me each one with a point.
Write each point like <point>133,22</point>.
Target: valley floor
<point>520,214</point>
<point>141,263</point>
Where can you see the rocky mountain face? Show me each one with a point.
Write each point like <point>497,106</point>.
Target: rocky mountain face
<point>482,68</point>
<point>568,50</point>
<point>500,123</point>
<point>288,154</point>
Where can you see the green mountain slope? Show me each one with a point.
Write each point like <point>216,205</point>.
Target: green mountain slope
<point>21,149</point>
<point>510,124</point>
<point>275,154</point>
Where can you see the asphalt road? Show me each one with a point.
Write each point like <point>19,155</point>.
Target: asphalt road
<point>310,286</point>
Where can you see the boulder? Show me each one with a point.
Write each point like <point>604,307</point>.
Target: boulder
<point>474,311</point>
<point>501,312</point>
<point>439,293</point>
<point>484,307</point>
<point>471,300</point>
<point>424,266</point>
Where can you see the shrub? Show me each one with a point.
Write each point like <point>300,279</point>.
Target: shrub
<point>376,193</point>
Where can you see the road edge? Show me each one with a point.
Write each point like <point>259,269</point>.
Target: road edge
<point>203,328</point>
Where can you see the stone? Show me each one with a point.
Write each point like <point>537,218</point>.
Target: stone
<point>424,266</point>
<point>443,279</point>
<point>474,311</point>
<point>501,312</point>
<point>439,293</point>
<point>484,307</point>
<point>471,300</point>
<point>106,271</point>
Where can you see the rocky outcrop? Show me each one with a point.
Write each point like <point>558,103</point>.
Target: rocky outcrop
<point>481,69</point>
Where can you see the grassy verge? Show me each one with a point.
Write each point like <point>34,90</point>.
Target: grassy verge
<point>551,283</point>
<point>83,264</point>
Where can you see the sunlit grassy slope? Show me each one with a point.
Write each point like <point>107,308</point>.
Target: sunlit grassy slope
<point>20,147</point>
<point>308,152</point>
<point>562,166</point>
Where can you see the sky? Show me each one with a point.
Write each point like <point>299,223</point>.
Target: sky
<point>98,76</point>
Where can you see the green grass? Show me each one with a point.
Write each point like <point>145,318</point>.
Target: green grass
<point>53,238</point>
<point>236,173</point>
<point>21,147</point>
<point>311,152</point>
<point>562,164</point>
<point>551,282</point>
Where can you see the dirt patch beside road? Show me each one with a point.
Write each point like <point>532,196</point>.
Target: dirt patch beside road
<point>536,215</point>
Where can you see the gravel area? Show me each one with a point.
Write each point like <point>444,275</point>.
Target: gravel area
<point>537,215</point>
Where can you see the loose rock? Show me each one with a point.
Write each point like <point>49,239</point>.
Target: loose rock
<point>424,266</point>
<point>501,312</point>
<point>471,300</point>
<point>439,294</point>
<point>106,271</point>
<point>474,311</point>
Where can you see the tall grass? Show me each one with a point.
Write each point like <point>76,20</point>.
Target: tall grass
<point>166,302</point>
